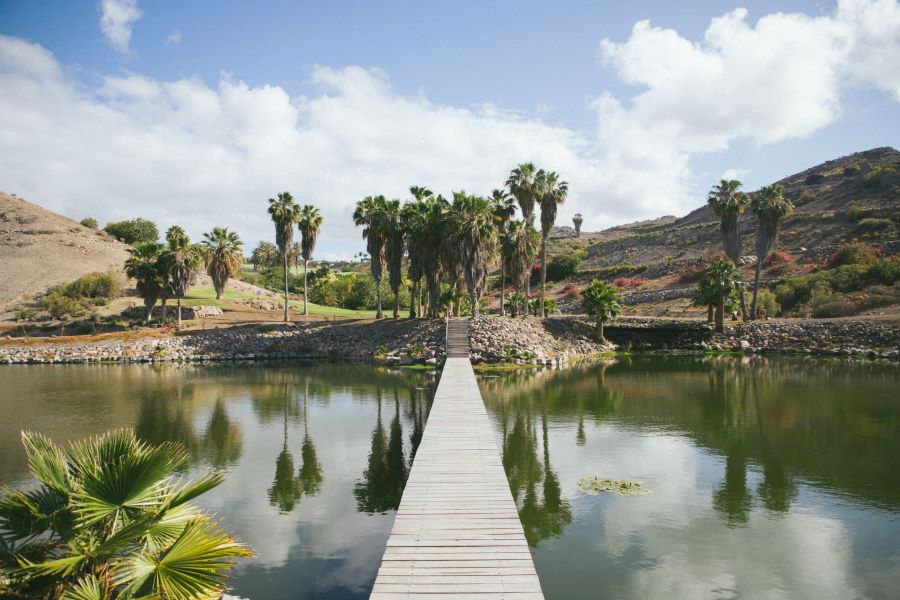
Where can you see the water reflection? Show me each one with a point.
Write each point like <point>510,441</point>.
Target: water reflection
<point>770,477</point>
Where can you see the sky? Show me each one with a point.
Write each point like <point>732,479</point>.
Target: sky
<point>196,113</point>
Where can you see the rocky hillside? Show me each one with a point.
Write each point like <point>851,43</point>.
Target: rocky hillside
<point>853,197</point>
<point>39,249</point>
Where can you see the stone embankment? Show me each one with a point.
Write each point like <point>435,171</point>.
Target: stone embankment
<point>353,340</point>
<point>493,339</point>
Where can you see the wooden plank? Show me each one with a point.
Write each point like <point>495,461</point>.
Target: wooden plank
<point>457,533</point>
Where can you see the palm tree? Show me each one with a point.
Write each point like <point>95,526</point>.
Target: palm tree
<point>143,265</point>
<point>183,259</point>
<point>110,519</point>
<point>369,215</point>
<point>577,220</point>
<point>519,247</point>
<point>601,301</point>
<point>550,193</point>
<point>521,184</point>
<point>722,279</point>
<point>395,242</point>
<point>771,209</point>
<point>264,255</point>
<point>727,203</point>
<point>284,213</point>
<point>224,256</point>
<point>309,223</point>
<point>504,208</point>
<point>473,238</point>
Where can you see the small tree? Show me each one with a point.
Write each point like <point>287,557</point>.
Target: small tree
<point>222,250</point>
<point>134,231</point>
<point>182,260</point>
<point>89,222</point>
<point>720,281</point>
<point>144,266</point>
<point>111,520</point>
<point>577,220</point>
<point>602,302</point>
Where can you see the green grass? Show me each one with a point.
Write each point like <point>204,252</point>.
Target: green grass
<point>207,297</point>
<point>333,311</point>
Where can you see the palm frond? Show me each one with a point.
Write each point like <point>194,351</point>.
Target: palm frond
<point>46,461</point>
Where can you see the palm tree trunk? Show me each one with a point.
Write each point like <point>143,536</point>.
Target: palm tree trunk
<point>305,271</point>
<point>378,313</point>
<point>412,300</point>
<point>599,331</point>
<point>720,314</point>
<point>179,311</point>
<point>753,313</point>
<point>397,303</point>
<point>285,287</point>
<point>502,289</point>
<point>163,312</point>
<point>743,302</point>
<point>542,314</point>
<point>473,300</point>
<point>709,313</point>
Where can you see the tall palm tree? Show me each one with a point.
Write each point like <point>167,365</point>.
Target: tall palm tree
<point>520,246</point>
<point>395,243</point>
<point>309,223</point>
<point>413,217</point>
<point>728,203</point>
<point>771,209</point>
<point>144,266</point>
<point>473,238</point>
<point>550,193</point>
<point>183,260</point>
<point>284,212</point>
<point>521,184</point>
<point>369,215</point>
<point>504,208</point>
<point>223,251</point>
<point>110,519</point>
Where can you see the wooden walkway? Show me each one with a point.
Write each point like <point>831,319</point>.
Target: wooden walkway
<point>457,533</point>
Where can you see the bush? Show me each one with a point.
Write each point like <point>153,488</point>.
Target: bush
<point>856,211</point>
<point>850,171</point>
<point>95,285</point>
<point>89,222</point>
<point>133,231</point>
<point>563,267</point>
<point>623,282</point>
<point>611,271</point>
<point>840,308</point>
<point>25,313</point>
<point>878,176</point>
<point>780,270</point>
<point>571,291</point>
<point>766,301</point>
<point>691,274</point>
<point>814,178</point>
<point>805,198</point>
<point>853,253</point>
<point>778,258</point>
<point>872,226</point>
<point>60,306</point>
<point>885,272</point>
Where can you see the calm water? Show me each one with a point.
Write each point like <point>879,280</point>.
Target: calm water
<point>770,478</point>
<point>316,456</point>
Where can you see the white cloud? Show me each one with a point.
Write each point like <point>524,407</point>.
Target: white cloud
<point>174,39</point>
<point>117,20</point>
<point>185,151</point>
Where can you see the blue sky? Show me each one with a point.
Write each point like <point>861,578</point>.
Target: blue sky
<point>532,76</point>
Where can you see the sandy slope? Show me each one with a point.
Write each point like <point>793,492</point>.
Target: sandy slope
<point>39,248</point>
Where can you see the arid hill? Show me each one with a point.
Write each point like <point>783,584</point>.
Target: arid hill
<point>39,249</point>
<point>853,197</point>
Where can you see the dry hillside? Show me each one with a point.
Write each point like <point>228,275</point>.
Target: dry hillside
<point>39,249</point>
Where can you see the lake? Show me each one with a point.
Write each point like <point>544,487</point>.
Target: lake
<point>764,477</point>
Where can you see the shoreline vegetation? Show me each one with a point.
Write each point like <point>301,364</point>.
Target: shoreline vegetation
<point>497,343</point>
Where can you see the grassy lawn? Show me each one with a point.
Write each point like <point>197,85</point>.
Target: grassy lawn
<point>207,297</point>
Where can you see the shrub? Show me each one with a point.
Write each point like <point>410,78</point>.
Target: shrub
<point>872,226</point>
<point>133,231</point>
<point>780,270</point>
<point>850,171</point>
<point>805,198</point>
<point>856,211</point>
<point>563,266</point>
<point>89,222</point>
<point>840,308</point>
<point>60,306</point>
<point>885,272</point>
<point>95,285</point>
<point>877,176</point>
<point>571,290</point>
<point>25,313</point>
<point>766,301</point>
<point>853,253</point>
<point>624,282</point>
<point>691,274</point>
<point>778,258</point>
<point>814,178</point>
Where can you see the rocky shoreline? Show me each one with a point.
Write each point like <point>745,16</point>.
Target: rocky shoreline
<point>526,340</point>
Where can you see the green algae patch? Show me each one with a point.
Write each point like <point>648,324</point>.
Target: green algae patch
<point>595,485</point>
